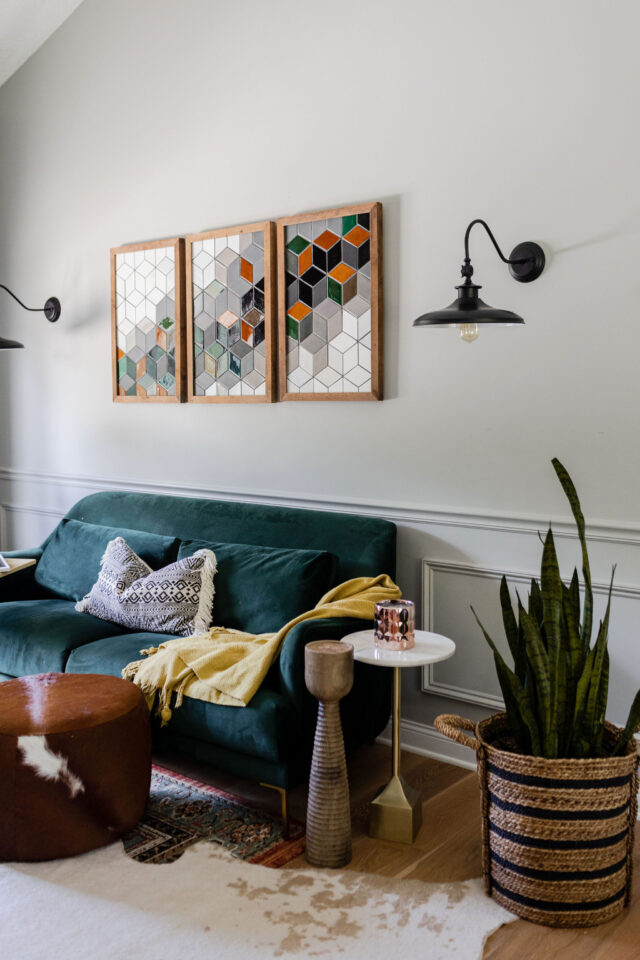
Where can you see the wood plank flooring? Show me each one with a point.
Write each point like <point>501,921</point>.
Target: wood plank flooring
<point>447,848</point>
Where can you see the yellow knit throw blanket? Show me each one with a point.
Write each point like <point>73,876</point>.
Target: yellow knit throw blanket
<point>228,666</point>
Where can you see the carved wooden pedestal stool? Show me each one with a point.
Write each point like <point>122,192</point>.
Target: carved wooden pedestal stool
<point>328,674</point>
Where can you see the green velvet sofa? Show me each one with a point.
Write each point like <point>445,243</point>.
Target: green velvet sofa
<point>271,739</point>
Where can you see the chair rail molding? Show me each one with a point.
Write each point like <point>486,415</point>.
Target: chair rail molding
<point>492,521</point>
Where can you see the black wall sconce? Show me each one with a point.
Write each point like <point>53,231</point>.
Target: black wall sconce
<point>51,311</point>
<point>468,311</point>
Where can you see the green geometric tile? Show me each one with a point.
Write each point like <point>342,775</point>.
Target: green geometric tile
<point>334,289</point>
<point>348,223</point>
<point>297,245</point>
<point>126,365</point>
<point>215,350</point>
<point>168,383</point>
<point>292,328</point>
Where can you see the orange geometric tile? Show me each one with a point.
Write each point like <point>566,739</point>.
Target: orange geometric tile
<point>246,270</point>
<point>300,310</point>
<point>342,272</point>
<point>357,236</point>
<point>327,239</point>
<point>304,260</point>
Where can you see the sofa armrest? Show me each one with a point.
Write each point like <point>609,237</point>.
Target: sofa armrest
<point>20,585</point>
<point>291,659</point>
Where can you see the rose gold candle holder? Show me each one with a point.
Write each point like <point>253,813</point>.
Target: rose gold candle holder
<point>394,625</point>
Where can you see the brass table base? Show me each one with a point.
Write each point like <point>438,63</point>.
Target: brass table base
<point>396,812</point>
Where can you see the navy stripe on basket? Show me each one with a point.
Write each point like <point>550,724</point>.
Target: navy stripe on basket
<point>553,875</point>
<point>529,780</point>
<point>559,906</point>
<point>542,844</point>
<point>540,813</point>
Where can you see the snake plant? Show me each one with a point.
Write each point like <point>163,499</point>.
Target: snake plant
<point>555,693</point>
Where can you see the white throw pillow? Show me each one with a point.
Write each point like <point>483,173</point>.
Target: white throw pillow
<point>175,599</point>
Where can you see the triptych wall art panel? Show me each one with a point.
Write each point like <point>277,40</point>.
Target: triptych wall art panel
<point>230,314</point>
<point>330,302</point>
<point>196,319</point>
<point>147,321</point>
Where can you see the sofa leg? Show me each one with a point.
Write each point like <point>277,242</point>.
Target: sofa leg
<point>284,809</point>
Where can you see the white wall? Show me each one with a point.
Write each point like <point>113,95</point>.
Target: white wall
<point>147,118</point>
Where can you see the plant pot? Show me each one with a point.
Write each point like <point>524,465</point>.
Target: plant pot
<point>557,835</point>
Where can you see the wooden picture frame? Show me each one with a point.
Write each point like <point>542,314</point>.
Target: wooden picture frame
<point>231,353</point>
<point>326,351</point>
<point>147,321</point>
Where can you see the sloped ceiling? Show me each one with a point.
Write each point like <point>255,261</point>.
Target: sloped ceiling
<point>25,25</point>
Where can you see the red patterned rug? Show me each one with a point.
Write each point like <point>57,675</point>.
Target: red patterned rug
<point>182,812</point>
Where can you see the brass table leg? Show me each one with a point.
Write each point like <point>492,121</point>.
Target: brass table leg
<point>396,812</point>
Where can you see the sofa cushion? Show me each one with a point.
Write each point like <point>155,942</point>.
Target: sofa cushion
<point>175,599</point>
<point>71,560</point>
<point>265,728</point>
<point>259,589</point>
<point>36,636</point>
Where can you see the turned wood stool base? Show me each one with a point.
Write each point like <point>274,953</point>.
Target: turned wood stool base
<point>329,677</point>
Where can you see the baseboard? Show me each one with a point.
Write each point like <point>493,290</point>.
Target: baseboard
<point>424,739</point>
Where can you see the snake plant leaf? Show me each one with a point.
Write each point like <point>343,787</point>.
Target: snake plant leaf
<point>512,690</point>
<point>590,719</point>
<point>601,707</point>
<point>582,691</point>
<point>535,601</point>
<point>572,497</point>
<point>574,590</point>
<point>551,589</point>
<point>631,727</point>
<point>572,633</point>
<point>517,724</point>
<point>511,629</point>
<point>539,662</point>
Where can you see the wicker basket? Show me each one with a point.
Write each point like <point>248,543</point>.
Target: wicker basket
<point>557,835</point>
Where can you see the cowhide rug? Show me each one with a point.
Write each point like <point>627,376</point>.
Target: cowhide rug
<point>208,904</point>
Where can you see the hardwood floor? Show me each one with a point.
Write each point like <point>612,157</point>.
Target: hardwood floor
<point>446,848</point>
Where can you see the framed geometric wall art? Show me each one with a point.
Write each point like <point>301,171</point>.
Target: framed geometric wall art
<point>330,304</point>
<point>231,314</point>
<point>147,321</point>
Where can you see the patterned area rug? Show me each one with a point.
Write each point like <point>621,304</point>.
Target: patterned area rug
<point>182,811</point>
<point>209,905</point>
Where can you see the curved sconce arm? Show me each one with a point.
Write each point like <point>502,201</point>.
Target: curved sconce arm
<point>51,308</point>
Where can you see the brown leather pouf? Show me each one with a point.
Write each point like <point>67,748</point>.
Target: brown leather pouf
<point>75,763</point>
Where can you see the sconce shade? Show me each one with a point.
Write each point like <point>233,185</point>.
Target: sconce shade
<point>467,308</point>
<point>10,344</point>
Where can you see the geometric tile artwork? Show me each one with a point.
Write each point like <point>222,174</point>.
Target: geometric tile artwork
<point>330,304</point>
<point>146,322</point>
<point>229,314</point>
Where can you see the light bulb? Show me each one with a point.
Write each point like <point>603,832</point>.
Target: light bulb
<point>469,332</point>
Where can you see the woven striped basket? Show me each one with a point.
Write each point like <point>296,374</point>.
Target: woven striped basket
<point>557,835</point>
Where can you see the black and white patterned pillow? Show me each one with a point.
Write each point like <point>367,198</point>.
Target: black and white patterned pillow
<point>175,599</point>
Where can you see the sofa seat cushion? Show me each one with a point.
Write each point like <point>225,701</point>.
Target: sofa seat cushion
<point>72,556</point>
<point>36,636</point>
<point>266,728</point>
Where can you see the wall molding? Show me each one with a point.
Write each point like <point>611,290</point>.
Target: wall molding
<point>430,682</point>
<point>599,530</point>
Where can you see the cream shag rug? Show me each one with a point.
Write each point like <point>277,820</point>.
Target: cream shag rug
<point>208,904</point>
